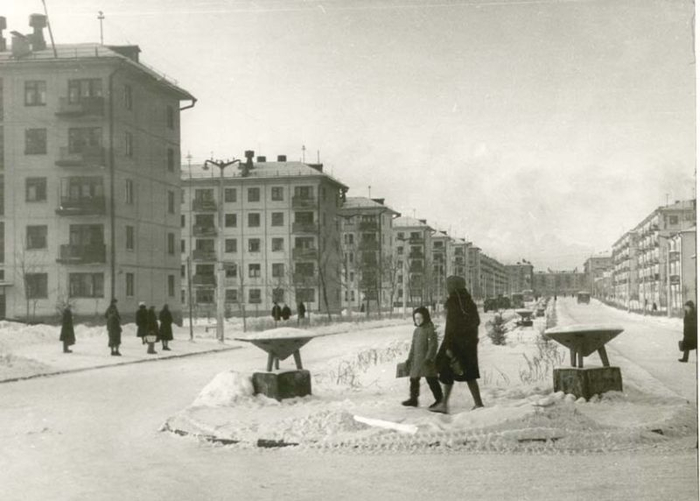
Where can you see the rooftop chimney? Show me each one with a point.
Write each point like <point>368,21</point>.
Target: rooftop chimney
<point>248,165</point>
<point>424,221</point>
<point>261,160</point>
<point>318,167</point>
<point>20,45</point>
<point>38,22</point>
<point>129,51</point>
<point>281,158</point>
<point>3,26</point>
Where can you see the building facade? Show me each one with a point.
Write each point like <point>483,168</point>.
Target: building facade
<point>558,283</point>
<point>595,267</point>
<point>519,277</point>
<point>89,172</point>
<point>624,270</point>
<point>493,277</point>
<point>369,271</point>
<point>413,243</point>
<point>683,278</point>
<point>440,259</point>
<point>273,226</point>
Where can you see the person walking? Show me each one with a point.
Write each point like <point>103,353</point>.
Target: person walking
<point>690,331</point>
<point>457,358</point>
<point>114,328</point>
<point>301,312</point>
<point>421,358</point>
<point>152,329</point>
<point>67,332</point>
<point>166,326</point>
<point>276,312</point>
<point>142,322</point>
<point>286,312</point>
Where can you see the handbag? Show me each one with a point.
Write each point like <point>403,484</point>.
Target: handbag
<point>151,338</point>
<point>681,346</point>
<point>402,370</point>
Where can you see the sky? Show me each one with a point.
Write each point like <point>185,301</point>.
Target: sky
<point>537,129</point>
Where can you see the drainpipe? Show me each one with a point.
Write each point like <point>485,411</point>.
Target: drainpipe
<point>191,105</point>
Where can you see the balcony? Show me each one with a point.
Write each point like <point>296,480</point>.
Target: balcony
<point>91,156</point>
<point>303,202</point>
<point>204,205</point>
<point>368,226</point>
<point>416,255</point>
<point>304,254</point>
<point>203,255</point>
<point>305,228</point>
<point>204,230</point>
<point>304,278</point>
<point>254,300</point>
<point>82,254</point>
<point>86,107</point>
<point>416,240</point>
<point>368,245</point>
<point>203,280</point>
<point>416,268</point>
<point>82,206</point>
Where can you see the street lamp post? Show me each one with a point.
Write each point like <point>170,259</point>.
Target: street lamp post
<point>220,253</point>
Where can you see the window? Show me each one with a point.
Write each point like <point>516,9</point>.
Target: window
<point>129,285</point>
<point>205,296</point>
<point>231,295</point>
<point>35,93</point>
<point>171,243</point>
<point>278,219</point>
<point>183,270</point>
<point>171,202</point>
<point>170,117</point>
<point>306,295</point>
<point>129,192</point>
<point>399,251</point>
<point>171,160</point>
<point>305,269</point>
<point>352,258</point>
<point>231,271</point>
<point>253,194</point>
<point>277,194</point>
<point>128,144</point>
<point>182,246</point>
<point>278,270</point>
<point>83,139</point>
<point>254,270</point>
<point>254,220</point>
<point>254,296</point>
<point>36,189</point>
<point>171,285</point>
<point>35,142</point>
<point>128,97</point>
<point>231,220</point>
<point>130,238</point>
<point>86,284</point>
<point>36,285</point>
<point>84,89</point>
<point>182,221</point>
<point>277,244</point>
<point>254,245</point>
<point>230,195</point>
<point>36,237</point>
<point>673,220</point>
<point>231,245</point>
<point>304,192</point>
<point>304,217</point>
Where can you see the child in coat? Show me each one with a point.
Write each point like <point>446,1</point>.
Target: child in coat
<point>421,358</point>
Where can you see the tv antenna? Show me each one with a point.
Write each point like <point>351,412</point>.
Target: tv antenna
<point>101,17</point>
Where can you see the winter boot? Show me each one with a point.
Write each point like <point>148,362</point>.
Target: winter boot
<point>414,392</point>
<point>441,407</point>
<point>65,349</point>
<point>151,349</point>
<point>436,390</point>
<point>476,394</point>
<point>116,352</point>
<point>165,346</point>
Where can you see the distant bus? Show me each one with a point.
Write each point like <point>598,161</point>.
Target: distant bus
<point>516,300</point>
<point>528,295</point>
<point>583,297</point>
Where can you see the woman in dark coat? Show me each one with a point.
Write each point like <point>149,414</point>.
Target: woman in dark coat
<point>166,326</point>
<point>67,332</point>
<point>142,322</point>
<point>457,358</point>
<point>690,331</point>
<point>152,328</point>
<point>114,328</point>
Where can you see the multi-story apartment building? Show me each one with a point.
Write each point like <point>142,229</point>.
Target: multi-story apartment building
<point>457,258</point>
<point>519,277</point>
<point>89,174</point>
<point>280,232</point>
<point>558,283</point>
<point>474,271</point>
<point>413,242</point>
<point>602,286</point>
<point>624,270</point>
<point>493,277</point>
<point>369,270</point>
<point>683,278</point>
<point>654,232</point>
<point>594,268</point>
<point>440,254</point>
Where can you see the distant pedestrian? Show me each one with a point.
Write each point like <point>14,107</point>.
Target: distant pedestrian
<point>286,312</point>
<point>152,329</point>
<point>276,312</point>
<point>301,311</point>
<point>166,326</point>
<point>421,358</point>
<point>114,328</point>
<point>690,331</point>
<point>654,307</point>
<point>67,332</point>
<point>142,322</point>
<point>457,358</point>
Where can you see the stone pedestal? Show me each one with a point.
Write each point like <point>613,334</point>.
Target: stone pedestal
<point>282,384</point>
<point>587,382</point>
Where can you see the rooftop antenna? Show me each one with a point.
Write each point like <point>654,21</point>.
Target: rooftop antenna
<point>48,25</point>
<point>369,191</point>
<point>303,153</point>
<point>318,156</point>
<point>101,17</point>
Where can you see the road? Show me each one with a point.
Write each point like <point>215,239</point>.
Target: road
<point>94,436</point>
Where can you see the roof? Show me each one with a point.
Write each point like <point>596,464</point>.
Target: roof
<point>410,222</point>
<point>90,52</point>
<point>260,170</point>
<point>360,203</point>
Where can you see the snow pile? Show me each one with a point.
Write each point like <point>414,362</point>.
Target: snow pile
<point>226,389</point>
<point>282,333</point>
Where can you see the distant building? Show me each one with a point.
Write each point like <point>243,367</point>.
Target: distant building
<point>519,277</point>
<point>683,276</point>
<point>594,268</point>
<point>440,259</point>
<point>457,258</point>
<point>413,243</point>
<point>625,275</point>
<point>493,277</point>
<point>558,283</point>
<point>89,178</point>
<point>370,274</point>
<point>281,236</point>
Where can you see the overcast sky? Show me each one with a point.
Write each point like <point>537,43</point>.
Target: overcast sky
<point>536,129</point>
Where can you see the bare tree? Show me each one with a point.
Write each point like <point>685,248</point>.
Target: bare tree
<point>27,266</point>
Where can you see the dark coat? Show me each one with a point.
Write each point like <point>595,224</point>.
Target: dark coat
<point>301,310</point>
<point>152,323</point>
<point>67,332</point>
<point>421,358</point>
<point>461,336</point>
<point>286,313</point>
<point>114,329</point>
<point>166,325</point>
<point>690,330</point>
<point>276,312</point>
<point>142,322</point>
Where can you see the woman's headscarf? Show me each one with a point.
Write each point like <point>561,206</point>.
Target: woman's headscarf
<point>426,315</point>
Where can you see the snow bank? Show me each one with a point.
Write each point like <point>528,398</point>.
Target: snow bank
<point>226,389</point>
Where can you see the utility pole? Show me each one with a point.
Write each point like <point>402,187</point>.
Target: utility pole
<point>220,277</point>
